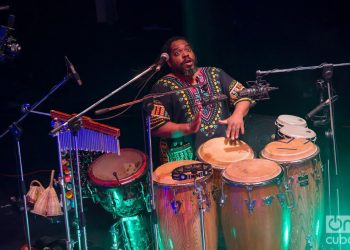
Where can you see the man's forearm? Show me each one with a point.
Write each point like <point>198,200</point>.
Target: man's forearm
<point>242,108</point>
<point>172,130</point>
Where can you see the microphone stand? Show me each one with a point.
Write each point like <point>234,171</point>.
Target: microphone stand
<point>16,132</point>
<point>327,75</point>
<point>148,105</point>
<point>76,117</point>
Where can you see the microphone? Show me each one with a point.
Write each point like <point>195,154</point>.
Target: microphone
<point>214,99</point>
<point>164,57</point>
<point>256,92</point>
<point>320,107</point>
<point>74,74</point>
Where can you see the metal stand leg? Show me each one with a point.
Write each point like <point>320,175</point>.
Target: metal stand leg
<point>148,108</point>
<point>16,132</point>
<point>78,195</point>
<point>198,190</point>
<point>69,245</point>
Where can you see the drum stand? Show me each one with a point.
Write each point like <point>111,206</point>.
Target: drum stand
<point>148,107</point>
<point>198,189</point>
<point>16,133</point>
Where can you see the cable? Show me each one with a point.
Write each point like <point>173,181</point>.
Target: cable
<point>126,109</point>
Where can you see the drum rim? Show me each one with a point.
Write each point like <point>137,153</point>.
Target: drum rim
<point>113,184</point>
<point>317,152</point>
<point>202,179</point>
<point>280,125</point>
<point>275,180</point>
<point>284,135</point>
<point>214,166</point>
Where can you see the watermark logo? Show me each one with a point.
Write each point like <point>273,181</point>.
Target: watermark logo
<point>338,224</point>
<point>338,230</point>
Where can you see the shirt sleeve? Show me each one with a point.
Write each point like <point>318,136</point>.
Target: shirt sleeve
<point>231,88</point>
<point>160,114</point>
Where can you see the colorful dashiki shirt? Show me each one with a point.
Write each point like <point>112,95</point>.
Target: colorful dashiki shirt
<point>181,107</point>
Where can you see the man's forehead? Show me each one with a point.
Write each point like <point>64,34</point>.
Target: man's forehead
<point>178,44</point>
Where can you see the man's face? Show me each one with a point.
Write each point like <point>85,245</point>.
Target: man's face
<point>182,59</point>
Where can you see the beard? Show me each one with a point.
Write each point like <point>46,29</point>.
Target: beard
<point>181,70</point>
<point>189,72</point>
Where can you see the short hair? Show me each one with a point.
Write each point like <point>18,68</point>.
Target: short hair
<point>167,44</point>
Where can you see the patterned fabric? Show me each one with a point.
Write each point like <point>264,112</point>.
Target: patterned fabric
<point>182,107</point>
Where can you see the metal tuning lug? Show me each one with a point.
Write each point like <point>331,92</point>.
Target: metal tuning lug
<point>268,200</point>
<point>250,203</point>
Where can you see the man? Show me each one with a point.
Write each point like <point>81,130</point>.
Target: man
<point>180,119</point>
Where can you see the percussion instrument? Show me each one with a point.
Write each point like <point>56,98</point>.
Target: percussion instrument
<point>286,120</point>
<point>118,182</point>
<point>178,206</point>
<point>301,162</point>
<point>296,132</point>
<point>131,233</point>
<point>251,215</point>
<point>219,153</point>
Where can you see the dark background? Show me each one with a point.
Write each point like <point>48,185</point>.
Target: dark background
<point>111,41</point>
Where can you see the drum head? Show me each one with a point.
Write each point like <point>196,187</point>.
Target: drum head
<point>112,170</point>
<point>220,153</point>
<point>288,150</point>
<point>298,132</point>
<point>252,172</point>
<point>284,120</point>
<point>162,175</point>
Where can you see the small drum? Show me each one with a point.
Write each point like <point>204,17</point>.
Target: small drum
<point>286,120</point>
<point>178,209</point>
<point>219,153</point>
<point>119,183</point>
<point>297,132</point>
<point>251,215</point>
<point>303,180</point>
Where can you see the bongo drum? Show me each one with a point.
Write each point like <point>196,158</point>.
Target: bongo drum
<point>118,182</point>
<point>219,153</point>
<point>178,209</point>
<point>297,132</point>
<point>301,162</point>
<point>251,215</point>
<point>288,120</point>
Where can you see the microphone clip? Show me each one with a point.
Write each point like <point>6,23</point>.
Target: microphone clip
<point>258,90</point>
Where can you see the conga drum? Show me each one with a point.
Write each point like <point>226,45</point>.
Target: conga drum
<point>251,215</point>
<point>219,153</point>
<point>301,162</point>
<point>177,208</point>
<point>118,182</point>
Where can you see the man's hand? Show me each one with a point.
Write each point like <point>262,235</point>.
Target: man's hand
<point>235,125</point>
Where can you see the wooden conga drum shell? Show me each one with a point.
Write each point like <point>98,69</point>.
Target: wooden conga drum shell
<point>251,216</point>
<point>303,176</point>
<point>181,229</point>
